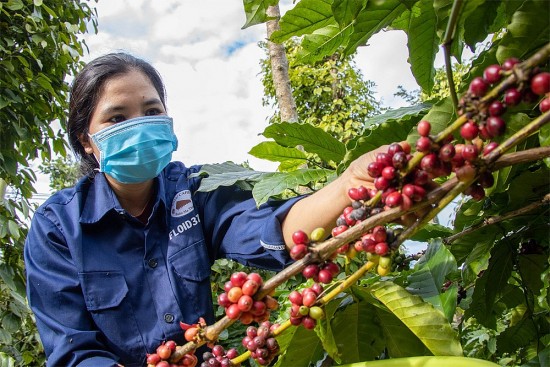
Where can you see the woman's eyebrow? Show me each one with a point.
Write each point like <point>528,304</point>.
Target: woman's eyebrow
<point>118,108</point>
<point>152,101</point>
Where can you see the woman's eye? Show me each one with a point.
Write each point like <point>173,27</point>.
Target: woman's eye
<point>117,119</point>
<point>153,112</point>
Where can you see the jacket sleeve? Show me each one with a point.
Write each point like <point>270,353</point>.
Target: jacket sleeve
<point>243,232</point>
<point>55,296</point>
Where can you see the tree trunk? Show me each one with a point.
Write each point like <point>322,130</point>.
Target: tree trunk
<point>3,186</point>
<point>279,68</point>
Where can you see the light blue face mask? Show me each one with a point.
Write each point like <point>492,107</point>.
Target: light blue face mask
<point>136,150</point>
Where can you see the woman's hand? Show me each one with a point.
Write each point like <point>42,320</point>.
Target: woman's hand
<point>322,208</point>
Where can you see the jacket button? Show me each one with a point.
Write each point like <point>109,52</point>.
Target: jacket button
<point>152,263</point>
<point>169,318</point>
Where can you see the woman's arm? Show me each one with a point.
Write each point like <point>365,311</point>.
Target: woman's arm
<point>53,289</point>
<point>323,208</point>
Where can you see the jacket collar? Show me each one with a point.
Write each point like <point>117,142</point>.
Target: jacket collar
<point>100,199</point>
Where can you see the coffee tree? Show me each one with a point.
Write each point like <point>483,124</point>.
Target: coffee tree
<point>479,287</point>
<point>39,47</point>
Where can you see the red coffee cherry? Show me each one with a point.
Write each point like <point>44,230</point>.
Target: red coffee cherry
<point>540,83</point>
<point>492,73</point>
<point>510,63</point>
<point>544,105</point>
<point>469,130</point>
<point>496,108</point>
<point>495,126</point>
<point>424,128</point>
<point>512,96</point>
<point>478,87</point>
<point>423,144</point>
<point>300,237</point>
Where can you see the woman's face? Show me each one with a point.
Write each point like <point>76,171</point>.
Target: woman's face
<point>122,97</point>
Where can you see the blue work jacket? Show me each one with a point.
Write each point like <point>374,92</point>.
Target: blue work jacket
<point>106,288</point>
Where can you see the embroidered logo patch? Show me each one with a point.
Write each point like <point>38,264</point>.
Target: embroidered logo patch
<point>182,204</point>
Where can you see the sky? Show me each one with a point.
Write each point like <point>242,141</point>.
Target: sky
<point>211,66</point>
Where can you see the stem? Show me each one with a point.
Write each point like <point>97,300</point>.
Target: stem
<point>446,200</point>
<point>447,43</point>
<point>496,219</point>
<point>518,137</point>
<point>347,283</point>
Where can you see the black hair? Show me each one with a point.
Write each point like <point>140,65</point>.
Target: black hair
<point>85,91</point>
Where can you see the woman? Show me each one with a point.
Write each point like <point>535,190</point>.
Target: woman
<point>116,262</point>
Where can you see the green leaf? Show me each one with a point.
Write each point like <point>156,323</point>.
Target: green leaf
<point>304,18</point>
<point>11,323</point>
<point>376,16</point>
<point>427,323</point>
<point>256,11</point>
<point>423,43</point>
<point>427,361</point>
<point>411,112</point>
<point>272,151</point>
<point>386,132</point>
<point>13,229</point>
<point>490,284</point>
<point>5,338</point>
<point>476,247</point>
<point>431,231</point>
<point>5,360</point>
<point>531,266</point>
<point>306,347</point>
<point>224,174</point>
<point>277,183</point>
<point>544,139</point>
<point>353,329</point>
<point>528,30</point>
<point>541,360</point>
<point>15,5</point>
<point>324,330</point>
<point>396,336</point>
<point>312,139</point>
<point>346,11</point>
<point>517,336</point>
<point>429,275</point>
<point>323,42</point>
<point>476,18</point>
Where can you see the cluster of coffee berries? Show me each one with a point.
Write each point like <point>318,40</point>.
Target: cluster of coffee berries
<point>164,352</point>
<point>261,342</point>
<point>460,158</point>
<point>219,357</point>
<point>486,120</point>
<point>238,299</point>
<point>192,332</point>
<point>376,243</point>
<point>302,242</point>
<point>303,310</point>
<point>322,272</point>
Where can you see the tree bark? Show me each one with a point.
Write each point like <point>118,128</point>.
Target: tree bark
<point>3,186</point>
<point>279,69</point>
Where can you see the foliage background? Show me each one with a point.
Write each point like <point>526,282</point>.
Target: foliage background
<point>494,304</point>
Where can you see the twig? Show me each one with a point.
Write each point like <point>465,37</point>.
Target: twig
<point>518,137</point>
<point>447,43</point>
<point>496,219</point>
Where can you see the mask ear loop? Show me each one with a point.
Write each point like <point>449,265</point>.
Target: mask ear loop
<point>95,169</point>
